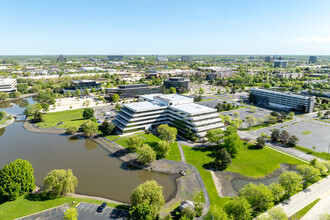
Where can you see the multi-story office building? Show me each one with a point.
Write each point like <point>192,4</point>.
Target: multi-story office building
<point>8,85</point>
<point>133,91</point>
<point>185,58</point>
<point>61,58</point>
<point>115,58</point>
<point>281,63</point>
<point>162,58</point>
<point>220,74</point>
<point>283,100</point>
<point>269,59</point>
<point>179,83</point>
<point>313,59</point>
<point>175,110</point>
<point>85,84</point>
<point>289,75</point>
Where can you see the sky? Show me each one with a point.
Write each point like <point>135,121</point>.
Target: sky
<point>169,27</point>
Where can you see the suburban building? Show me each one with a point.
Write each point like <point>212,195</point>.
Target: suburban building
<point>115,58</point>
<point>8,85</point>
<point>175,110</point>
<point>179,83</point>
<point>133,91</point>
<point>162,58</point>
<point>269,59</point>
<point>185,58</point>
<point>313,59</point>
<point>283,100</point>
<point>220,74</point>
<point>281,63</point>
<point>61,58</point>
<point>85,84</point>
<point>282,74</point>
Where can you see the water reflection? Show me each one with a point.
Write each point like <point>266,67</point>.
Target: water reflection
<point>73,138</point>
<point>2,131</point>
<point>90,145</point>
<point>240,183</point>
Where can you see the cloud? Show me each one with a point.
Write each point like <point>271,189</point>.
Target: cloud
<point>321,40</point>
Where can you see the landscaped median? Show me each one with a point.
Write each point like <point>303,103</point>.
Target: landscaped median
<point>32,203</point>
<point>249,162</point>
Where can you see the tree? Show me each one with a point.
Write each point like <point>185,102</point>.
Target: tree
<point>275,135</point>
<point>172,90</point>
<point>4,95</point>
<point>259,196</point>
<point>88,113</point>
<point>291,182</point>
<point>72,129</point>
<point>163,148</point>
<point>16,178</point>
<point>327,165</point>
<point>272,119</point>
<point>277,191</point>
<point>238,208</point>
<point>166,132</point>
<point>60,182</point>
<point>2,115</point>
<point>201,91</point>
<point>251,120</point>
<point>115,98</point>
<point>216,213</point>
<point>45,106</point>
<point>318,165</point>
<point>215,136</point>
<point>134,142</point>
<point>222,159</point>
<point>324,216</point>
<point>71,214</point>
<point>319,114</point>
<point>232,141</point>
<point>236,115</point>
<point>32,108</point>
<point>147,200</point>
<point>89,128</point>
<point>309,174</point>
<point>274,214</point>
<point>284,137</point>
<point>253,109</point>
<point>38,117</point>
<point>146,154</point>
<point>260,142</point>
<point>326,114</point>
<point>106,127</point>
<point>293,140</point>
<point>291,115</point>
<point>188,214</point>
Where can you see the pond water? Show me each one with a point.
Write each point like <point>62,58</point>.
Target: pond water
<point>98,173</point>
<point>240,183</point>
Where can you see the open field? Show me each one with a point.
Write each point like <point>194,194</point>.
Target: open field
<point>152,140</point>
<point>69,118</point>
<point>29,204</point>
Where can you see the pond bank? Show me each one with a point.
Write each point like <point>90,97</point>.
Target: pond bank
<point>8,122</point>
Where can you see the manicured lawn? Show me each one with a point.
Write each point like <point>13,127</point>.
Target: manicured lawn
<point>4,120</point>
<point>204,100</point>
<point>198,159</point>
<point>23,206</point>
<point>323,155</point>
<point>306,132</point>
<point>69,118</point>
<point>112,137</point>
<point>323,120</point>
<point>262,125</point>
<point>255,163</point>
<point>304,210</point>
<point>152,141</point>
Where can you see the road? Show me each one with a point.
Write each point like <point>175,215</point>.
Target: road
<point>320,190</point>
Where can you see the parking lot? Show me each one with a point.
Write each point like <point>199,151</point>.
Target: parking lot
<point>87,211</point>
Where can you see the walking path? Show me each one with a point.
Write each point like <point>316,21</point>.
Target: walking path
<point>216,183</point>
<point>96,198</point>
<point>183,159</point>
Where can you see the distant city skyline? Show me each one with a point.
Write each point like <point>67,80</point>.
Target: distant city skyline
<point>172,27</point>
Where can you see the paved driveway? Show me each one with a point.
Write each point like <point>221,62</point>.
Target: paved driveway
<point>56,213</point>
<point>87,211</point>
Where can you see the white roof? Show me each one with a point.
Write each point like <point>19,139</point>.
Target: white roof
<point>169,97</point>
<point>143,106</point>
<point>193,109</point>
<point>5,81</point>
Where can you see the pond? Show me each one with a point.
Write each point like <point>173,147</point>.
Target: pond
<point>98,173</point>
<point>240,183</point>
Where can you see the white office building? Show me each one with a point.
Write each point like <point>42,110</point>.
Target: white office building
<point>8,85</point>
<point>175,110</point>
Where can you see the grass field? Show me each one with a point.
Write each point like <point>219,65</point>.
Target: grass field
<point>25,205</point>
<point>323,155</point>
<point>69,118</point>
<point>306,132</point>
<point>152,140</point>
<point>304,210</point>
<point>262,125</point>
<point>204,100</point>
<point>254,163</point>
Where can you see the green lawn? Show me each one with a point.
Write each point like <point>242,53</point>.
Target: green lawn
<point>262,125</point>
<point>23,206</point>
<point>204,100</point>
<point>323,155</point>
<point>255,163</point>
<point>304,210</point>
<point>306,132</point>
<point>5,119</point>
<point>152,140</point>
<point>112,137</point>
<point>323,120</point>
<point>69,118</point>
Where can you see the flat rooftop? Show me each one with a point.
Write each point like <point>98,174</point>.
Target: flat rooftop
<point>5,81</point>
<point>169,97</point>
<point>193,109</point>
<point>285,93</point>
<point>143,106</point>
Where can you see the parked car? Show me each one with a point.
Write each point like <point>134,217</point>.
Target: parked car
<point>101,207</point>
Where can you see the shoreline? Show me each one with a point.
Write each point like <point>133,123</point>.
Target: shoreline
<point>186,186</point>
<point>7,123</point>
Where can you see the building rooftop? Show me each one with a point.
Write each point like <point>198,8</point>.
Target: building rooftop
<point>6,81</point>
<point>285,93</point>
<point>193,109</point>
<point>142,106</point>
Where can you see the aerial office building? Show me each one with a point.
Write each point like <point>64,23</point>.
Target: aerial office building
<point>313,59</point>
<point>8,85</point>
<point>175,110</point>
<point>179,83</point>
<point>162,58</point>
<point>269,59</point>
<point>115,58</point>
<point>133,91</point>
<point>185,58</point>
<point>281,63</point>
<point>283,100</point>
<point>85,84</point>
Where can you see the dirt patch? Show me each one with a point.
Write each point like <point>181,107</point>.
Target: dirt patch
<point>226,177</point>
